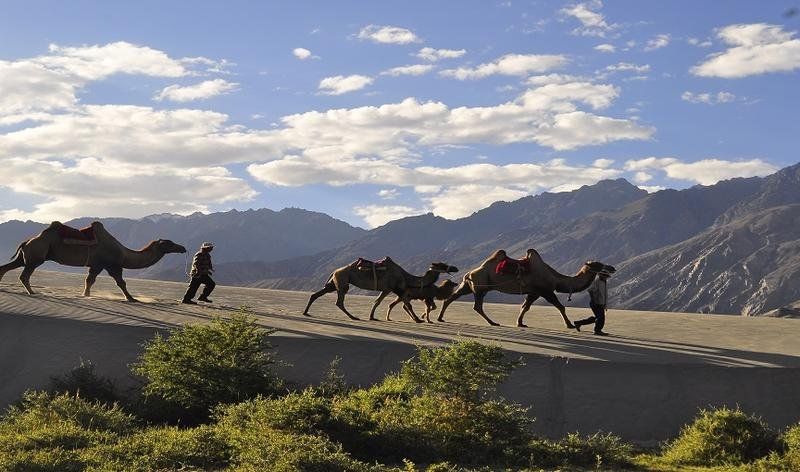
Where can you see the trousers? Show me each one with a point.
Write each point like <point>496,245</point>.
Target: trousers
<point>195,283</point>
<point>599,318</point>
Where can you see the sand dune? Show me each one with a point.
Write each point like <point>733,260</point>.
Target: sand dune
<point>642,382</point>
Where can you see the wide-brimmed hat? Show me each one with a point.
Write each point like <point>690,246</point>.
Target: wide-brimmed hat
<point>207,245</point>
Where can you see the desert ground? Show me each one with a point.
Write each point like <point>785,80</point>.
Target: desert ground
<point>642,383</point>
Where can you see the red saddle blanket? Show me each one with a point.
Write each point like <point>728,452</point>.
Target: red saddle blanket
<point>83,234</point>
<point>366,264</point>
<point>512,266</point>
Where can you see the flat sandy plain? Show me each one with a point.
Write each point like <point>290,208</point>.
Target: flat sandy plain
<point>643,382</point>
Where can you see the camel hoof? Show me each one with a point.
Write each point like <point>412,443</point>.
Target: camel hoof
<point>372,318</point>
<point>429,321</point>
<point>521,325</point>
<point>417,320</point>
<point>306,314</point>
<point>571,326</point>
<point>355,318</point>
<point>492,323</point>
<point>133,300</point>
<point>440,320</point>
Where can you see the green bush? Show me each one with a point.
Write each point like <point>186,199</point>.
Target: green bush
<point>200,366</point>
<point>721,436</point>
<point>466,369</point>
<point>302,413</point>
<point>791,438</point>
<point>436,409</point>
<point>257,446</point>
<point>161,448</point>
<point>83,381</point>
<point>596,451</point>
<point>47,432</point>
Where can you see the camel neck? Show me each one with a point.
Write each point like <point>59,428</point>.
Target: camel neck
<point>140,259</point>
<point>574,283</point>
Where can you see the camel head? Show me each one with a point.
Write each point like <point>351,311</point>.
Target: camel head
<point>442,267</point>
<point>165,246</point>
<point>598,267</point>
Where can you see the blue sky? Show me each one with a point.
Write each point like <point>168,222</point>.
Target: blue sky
<point>369,111</point>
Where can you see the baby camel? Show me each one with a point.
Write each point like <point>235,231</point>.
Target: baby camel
<point>428,294</point>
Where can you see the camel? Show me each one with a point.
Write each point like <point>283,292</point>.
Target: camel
<point>385,277</point>
<point>105,253</point>
<point>428,294</point>
<point>540,280</point>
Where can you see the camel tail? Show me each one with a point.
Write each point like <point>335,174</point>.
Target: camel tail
<point>19,248</point>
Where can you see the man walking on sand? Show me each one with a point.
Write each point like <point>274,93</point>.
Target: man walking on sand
<point>598,297</point>
<point>201,274</point>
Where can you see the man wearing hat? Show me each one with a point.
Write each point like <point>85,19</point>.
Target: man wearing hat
<point>201,274</point>
<point>598,296</point>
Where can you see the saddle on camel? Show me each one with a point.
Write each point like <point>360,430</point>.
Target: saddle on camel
<point>78,237</point>
<point>366,265</point>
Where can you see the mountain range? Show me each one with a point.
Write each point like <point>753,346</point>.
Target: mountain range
<point>732,247</point>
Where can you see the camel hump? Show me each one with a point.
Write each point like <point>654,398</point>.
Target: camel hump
<point>56,224</point>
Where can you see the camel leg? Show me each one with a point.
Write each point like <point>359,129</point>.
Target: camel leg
<point>409,309</point>
<point>15,264</point>
<point>340,303</point>
<point>90,278</point>
<point>25,277</point>
<point>430,305</point>
<point>478,307</point>
<point>462,290</point>
<point>526,305</point>
<point>116,274</point>
<point>392,305</point>
<point>328,288</point>
<point>376,303</point>
<point>553,300</point>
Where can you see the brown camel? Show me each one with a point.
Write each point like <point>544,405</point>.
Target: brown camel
<point>105,253</point>
<point>540,280</point>
<point>386,277</point>
<point>428,294</point>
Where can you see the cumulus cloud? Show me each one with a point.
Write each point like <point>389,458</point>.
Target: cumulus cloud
<point>658,42</point>
<point>605,48</point>
<point>416,69</point>
<point>593,23</point>
<point>302,53</point>
<point>388,193</point>
<point>340,84</point>
<point>201,91</point>
<point>377,215</point>
<point>388,34</point>
<point>510,64</point>
<point>699,43</point>
<point>757,48</point>
<point>433,55</point>
<point>704,172</point>
<point>708,98</point>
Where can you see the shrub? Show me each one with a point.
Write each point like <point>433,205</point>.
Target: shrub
<point>596,451</point>
<point>83,381</point>
<point>200,366</point>
<point>437,408</point>
<point>791,439</point>
<point>161,448</point>
<point>256,446</point>
<point>721,436</point>
<point>466,369</point>
<point>46,432</point>
<point>303,413</point>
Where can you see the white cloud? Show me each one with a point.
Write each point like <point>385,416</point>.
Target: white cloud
<point>388,34</point>
<point>754,49</point>
<point>377,215</point>
<point>593,22</point>
<point>660,41</point>
<point>510,64</point>
<point>98,62</point>
<point>624,67</point>
<point>536,80</point>
<point>699,43</point>
<point>651,188</point>
<point>388,193</point>
<point>603,163</point>
<point>704,172</point>
<point>642,177</point>
<point>433,55</point>
<point>605,48</point>
<point>201,91</point>
<point>417,69</point>
<point>340,84</point>
<point>708,98</point>
<point>302,53</point>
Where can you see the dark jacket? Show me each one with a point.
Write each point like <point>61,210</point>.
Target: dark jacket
<point>201,265</point>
